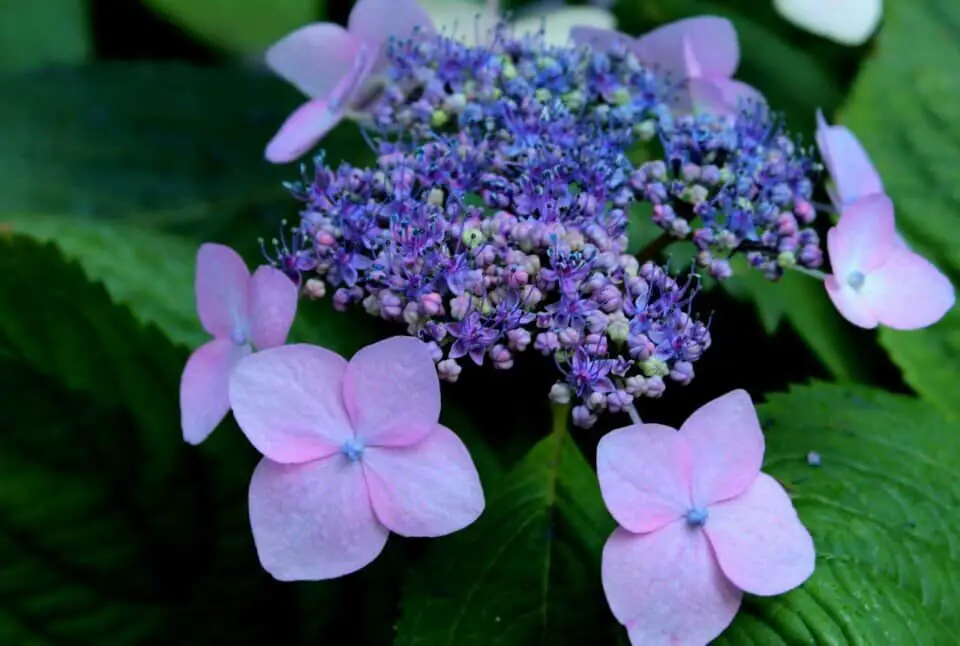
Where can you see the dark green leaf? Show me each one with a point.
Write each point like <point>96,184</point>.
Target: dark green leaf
<point>113,530</point>
<point>802,302</point>
<point>39,33</point>
<point>162,144</point>
<point>882,508</point>
<point>913,136</point>
<point>239,26</point>
<point>527,571</point>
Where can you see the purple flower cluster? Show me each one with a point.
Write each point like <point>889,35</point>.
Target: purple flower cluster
<point>435,82</point>
<point>744,181</point>
<point>494,220</point>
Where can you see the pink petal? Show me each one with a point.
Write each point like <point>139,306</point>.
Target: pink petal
<point>849,303</point>
<point>203,387</point>
<point>428,489</point>
<point>273,304</point>
<point>761,545</point>
<point>863,238</point>
<point>302,130</point>
<point>313,521</point>
<point>723,97</point>
<point>392,392</point>
<point>737,94</point>
<point>602,39</point>
<point>666,587</point>
<point>287,400</point>
<point>727,447</point>
<point>701,95</point>
<point>314,58</point>
<point>849,165</point>
<point>221,286</point>
<point>713,46</point>
<point>376,21</point>
<point>644,473</point>
<point>907,292</point>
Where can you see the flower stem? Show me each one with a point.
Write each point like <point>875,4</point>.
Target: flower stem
<point>815,273</point>
<point>560,414</point>
<point>652,250</point>
<point>634,415</point>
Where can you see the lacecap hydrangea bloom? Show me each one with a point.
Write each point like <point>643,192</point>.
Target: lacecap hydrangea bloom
<point>493,222</point>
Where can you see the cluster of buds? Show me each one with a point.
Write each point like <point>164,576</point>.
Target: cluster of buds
<point>495,219</point>
<point>734,185</point>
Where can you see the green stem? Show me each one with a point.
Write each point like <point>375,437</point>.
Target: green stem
<point>634,415</point>
<point>560,414</point>
<point>815,273</point>
<point>652,250</point>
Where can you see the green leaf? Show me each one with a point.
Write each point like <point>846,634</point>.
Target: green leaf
<point>527,571</point>
<point>239,26</point>
<point>43,32</point>
<point>150,272</point>
<point>883,511</point>
<point>913,136</point>
<point>165,145</point>
<point>802,302</point>
<point>113,530</point>
<point>153,273</point>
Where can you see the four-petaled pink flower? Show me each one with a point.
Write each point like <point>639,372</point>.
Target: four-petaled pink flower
<point>876,280</point>
<point>333,66</point>
<point>702,51</point>
<point>239,311</point>
<point>699,524</point>
<point>353,451</point>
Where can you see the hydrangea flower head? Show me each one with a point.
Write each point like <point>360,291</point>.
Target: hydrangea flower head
<point>700,524</point>
<point>352,451</point>
<point>333,66</point>
<point>701,54</point>
<point>241,312</point>
<point>876,280</point>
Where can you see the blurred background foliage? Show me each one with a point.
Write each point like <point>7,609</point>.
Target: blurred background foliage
<point>133,130</point>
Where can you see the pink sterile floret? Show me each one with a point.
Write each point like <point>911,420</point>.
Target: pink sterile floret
<point>878,281</point>
<point>240,312</point>
<point>333,65</point>
<point>699,524</point>
<point>703,52</point>
<point>352,451</point>
<point>850,169</point>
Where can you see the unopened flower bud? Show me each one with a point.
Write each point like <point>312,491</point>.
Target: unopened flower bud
<point>560,393</point>
<point>449,370</point>
<point>315,288</point>
<point>583,418</point>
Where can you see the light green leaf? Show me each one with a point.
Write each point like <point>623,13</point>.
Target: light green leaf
<point>801,301</point>
<point>913,136</point>
<point>153,273</point>
<point>527,572</point>
<point>150,272</point>
<point>39,33</point>
<point>239,26</point>
<point>883,511</point>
